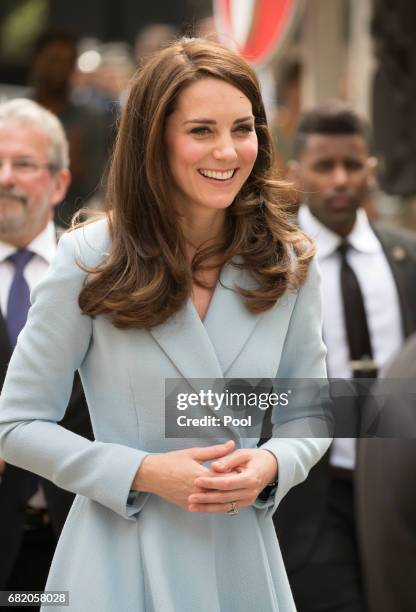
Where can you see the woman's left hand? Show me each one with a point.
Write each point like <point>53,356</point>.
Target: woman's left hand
<point>245,473</point>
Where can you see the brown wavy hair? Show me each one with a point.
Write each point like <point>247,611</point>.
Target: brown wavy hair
<point>147,278</point>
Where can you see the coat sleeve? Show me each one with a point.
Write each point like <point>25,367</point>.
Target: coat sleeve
<point>303,358</point>
<point>37,389</point>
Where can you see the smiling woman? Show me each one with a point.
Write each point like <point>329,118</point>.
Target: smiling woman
<point>211,149</point>
<point>194,110</point>
<point>181,279</point>
<point>210,158</point>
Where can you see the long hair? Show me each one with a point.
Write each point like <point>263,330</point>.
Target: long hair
<point>147,278</point>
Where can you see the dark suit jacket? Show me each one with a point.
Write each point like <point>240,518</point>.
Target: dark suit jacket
<point>301,513</point>
<point>15,487</point>
<point>386,499</point>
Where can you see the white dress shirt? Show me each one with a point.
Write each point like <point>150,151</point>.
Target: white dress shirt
<point>381,300</point>
<point>44,248</point>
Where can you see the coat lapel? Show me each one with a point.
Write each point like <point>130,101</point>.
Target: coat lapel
<point>203,351</point>
<point>185,341</point>
<point>402,266</point>
<point>229,323</point>
<point>208,349</point>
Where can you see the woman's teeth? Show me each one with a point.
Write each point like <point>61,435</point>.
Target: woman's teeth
<point>220,176</point>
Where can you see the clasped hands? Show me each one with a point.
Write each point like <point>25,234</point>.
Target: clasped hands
<point>181,478</point>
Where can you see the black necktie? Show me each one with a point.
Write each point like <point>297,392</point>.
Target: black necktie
<point>348,409</point>
<point>356,324</point>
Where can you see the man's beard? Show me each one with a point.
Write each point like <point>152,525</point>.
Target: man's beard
<point>11,223</point>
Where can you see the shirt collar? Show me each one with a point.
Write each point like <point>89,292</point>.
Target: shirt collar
<point>361,237</point>
<point>44,245</point>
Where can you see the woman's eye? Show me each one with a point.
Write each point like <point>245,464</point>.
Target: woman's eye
<point>200,131</point>
<point>244,128</point>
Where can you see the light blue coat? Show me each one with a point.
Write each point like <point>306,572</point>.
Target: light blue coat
<point>136,552</point>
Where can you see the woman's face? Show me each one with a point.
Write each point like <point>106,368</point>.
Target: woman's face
<point>211,145</point>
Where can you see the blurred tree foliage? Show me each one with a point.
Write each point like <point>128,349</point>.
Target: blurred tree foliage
<point>21,23</point>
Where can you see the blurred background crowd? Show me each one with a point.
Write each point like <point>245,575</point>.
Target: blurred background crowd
<point>76,59</point>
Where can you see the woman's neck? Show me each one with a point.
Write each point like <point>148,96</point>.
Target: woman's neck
<point>204,228</point>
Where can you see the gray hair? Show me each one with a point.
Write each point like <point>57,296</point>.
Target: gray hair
<point>24,111</point>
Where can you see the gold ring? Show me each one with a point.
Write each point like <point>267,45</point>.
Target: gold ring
<point>234,510</point>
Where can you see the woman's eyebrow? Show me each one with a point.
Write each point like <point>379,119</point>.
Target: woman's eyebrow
<point>213,122</point>
<point>198,120</point>
<point>248,118</point>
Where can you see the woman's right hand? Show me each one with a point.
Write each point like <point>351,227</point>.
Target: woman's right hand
<point>172,475</point>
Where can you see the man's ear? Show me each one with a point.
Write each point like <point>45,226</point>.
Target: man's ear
<point>62,180</point>
<point>372,165</point>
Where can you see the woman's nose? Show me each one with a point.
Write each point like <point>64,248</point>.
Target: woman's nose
<point>225,150</point>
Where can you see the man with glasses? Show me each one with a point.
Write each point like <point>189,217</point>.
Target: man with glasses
<point>34,178</point>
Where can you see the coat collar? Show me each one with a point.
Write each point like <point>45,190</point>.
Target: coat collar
<point>206,349</point>
<point>396,250</point>
<point>228,322</point>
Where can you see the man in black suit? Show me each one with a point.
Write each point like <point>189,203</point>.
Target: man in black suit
<point>34,177</point>
<point>369,307</point>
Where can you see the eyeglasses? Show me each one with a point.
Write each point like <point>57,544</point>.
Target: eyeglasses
<point>27,167</point>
